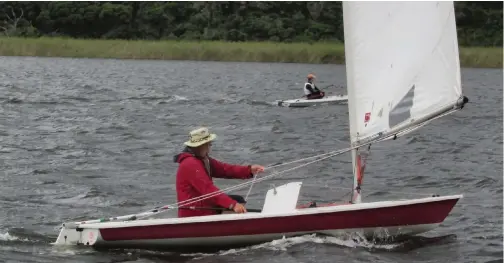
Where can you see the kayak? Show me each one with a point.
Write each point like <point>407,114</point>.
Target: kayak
<point>304,102</point>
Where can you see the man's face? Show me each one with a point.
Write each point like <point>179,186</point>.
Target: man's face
<point>205,148</point>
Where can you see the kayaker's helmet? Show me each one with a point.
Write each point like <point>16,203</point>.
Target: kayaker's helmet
<point>311,76</point>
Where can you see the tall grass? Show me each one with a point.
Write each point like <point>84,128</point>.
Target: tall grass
<point>319,53</point>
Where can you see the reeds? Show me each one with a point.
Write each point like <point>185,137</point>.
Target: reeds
<point>317,53</point>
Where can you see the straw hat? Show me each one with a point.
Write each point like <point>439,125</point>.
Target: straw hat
<point>199,137</point>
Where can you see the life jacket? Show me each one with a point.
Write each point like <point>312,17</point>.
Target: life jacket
<point>307,91</point>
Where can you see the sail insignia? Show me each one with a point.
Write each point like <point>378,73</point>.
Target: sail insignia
<point>402,111</point>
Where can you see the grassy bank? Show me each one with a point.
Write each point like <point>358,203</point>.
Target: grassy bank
<point>320,53</point>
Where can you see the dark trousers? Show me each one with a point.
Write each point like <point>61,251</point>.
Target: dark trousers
<point>237,198</point>
<point>315,95</point>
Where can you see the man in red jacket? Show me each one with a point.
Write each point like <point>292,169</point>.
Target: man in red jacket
<point>195,172</point>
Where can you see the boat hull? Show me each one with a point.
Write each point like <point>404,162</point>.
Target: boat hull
<point>371,220</point>
<point>329,100</point>
<point>215,243</point>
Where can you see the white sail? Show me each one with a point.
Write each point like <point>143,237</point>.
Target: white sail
<point>402,65</point>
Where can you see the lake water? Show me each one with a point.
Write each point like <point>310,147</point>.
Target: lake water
<point>87,138</point>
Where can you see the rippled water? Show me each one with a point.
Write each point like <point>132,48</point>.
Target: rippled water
<point>82,139</point>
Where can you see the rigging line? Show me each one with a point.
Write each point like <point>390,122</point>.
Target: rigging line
<point>415,127</point>
<point>192,200</point>
<point>251,185</point>
<point>213,194</point>
<point>265,168</point>
<point>299,160</point>
<point>332,153</point>
<point>406,193</point>
<point>348,193</point>
<point>196,199</point>
<point>236,187</point>
<point>209,195</point>
<point>229,189</point>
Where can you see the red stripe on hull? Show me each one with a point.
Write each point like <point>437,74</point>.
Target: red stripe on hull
<point>414,214</point>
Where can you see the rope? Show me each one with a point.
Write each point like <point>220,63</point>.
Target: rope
<point>238,186</point>
<point>213,194</point>
<point>210,195</point>
<point>242,185</point>
<point>332,153</point>
<point>300,160</point>
<point>165,208</point>
<point>251,185</point>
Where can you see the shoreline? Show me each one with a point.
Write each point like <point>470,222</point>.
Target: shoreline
<point>218,51</point>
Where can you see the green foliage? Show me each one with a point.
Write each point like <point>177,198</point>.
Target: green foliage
<point>319,52</point>
<point>479,23</point>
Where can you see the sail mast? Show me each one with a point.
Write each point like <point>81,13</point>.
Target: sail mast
<point>352,107</point>
<point>357,176</point>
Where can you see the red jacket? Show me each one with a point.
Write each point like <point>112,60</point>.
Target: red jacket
<point>193,181</point>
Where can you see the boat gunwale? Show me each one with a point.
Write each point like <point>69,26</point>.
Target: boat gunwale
<point>253,215</point>
<point>324,99</point>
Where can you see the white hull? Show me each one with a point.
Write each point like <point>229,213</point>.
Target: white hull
<point>303,102</point>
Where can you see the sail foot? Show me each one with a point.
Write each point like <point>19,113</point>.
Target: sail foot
<point>408,127</point>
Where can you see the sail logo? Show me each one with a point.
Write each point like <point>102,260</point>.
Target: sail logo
<point>367,117</point>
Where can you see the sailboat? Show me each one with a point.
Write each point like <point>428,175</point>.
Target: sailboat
<point>304,102</point>
<point>402,72</point>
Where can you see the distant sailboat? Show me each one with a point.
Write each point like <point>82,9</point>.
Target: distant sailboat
<point>304,102</point>
<point>403,71</point>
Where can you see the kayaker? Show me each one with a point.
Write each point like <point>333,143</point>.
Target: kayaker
<point>195,173</point>
<point>310,90</point>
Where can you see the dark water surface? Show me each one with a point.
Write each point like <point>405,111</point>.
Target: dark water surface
<point>82,139</point>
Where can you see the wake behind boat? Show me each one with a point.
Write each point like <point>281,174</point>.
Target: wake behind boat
<point>389,96</point>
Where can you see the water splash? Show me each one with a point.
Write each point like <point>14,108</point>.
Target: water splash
<point>8,237</point>
<point>177,97</point>
<point>351,241</point>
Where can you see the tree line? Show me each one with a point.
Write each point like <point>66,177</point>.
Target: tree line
<point>478,23</point>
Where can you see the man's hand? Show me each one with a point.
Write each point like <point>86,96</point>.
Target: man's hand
<point>239,208</point>
<point>255,169</point>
